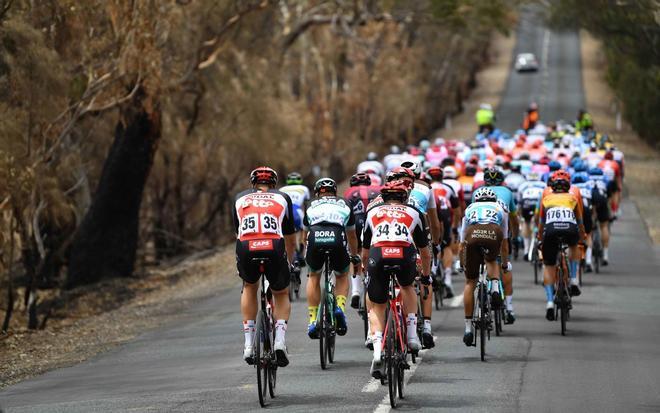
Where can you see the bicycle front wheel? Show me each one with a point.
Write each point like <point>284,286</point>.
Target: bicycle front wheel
<point>483,320</point>
<point>261,358</point>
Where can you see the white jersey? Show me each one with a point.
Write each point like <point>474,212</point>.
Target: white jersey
<point>421,197</point>
<point>299,194</point>
<point>393,160</point>
<point>400,225</point>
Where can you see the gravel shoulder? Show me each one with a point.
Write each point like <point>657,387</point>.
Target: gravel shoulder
<point>95,319</point>
<point>642,173</point>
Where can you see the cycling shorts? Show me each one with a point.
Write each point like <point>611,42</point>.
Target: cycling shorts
<point>602,211</point>
<point>587,219</point>
<point>552,235</point>
<point>527,209</point>
<point>378,282</point>
<point>477,236</point>
<point>330,238</point>
<point>444,215</point>
<point>276,269</point>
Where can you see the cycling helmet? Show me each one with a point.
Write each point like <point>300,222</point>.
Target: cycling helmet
<point>515,167</point>
<point>595,171</point>
<point>544,160</point>
<point>425,177</point>
<point>325,186</point>
<point>395,190</point>
<point>560,185</point>
<point>493,176</point>
<point>263,175</point>
<point>294,178</point>
<point>533,176</point>
<point>609,155</point>
<point>554,166</point>
<point>372,156</point>
<point>400,173</point>
<point>360,179</point>
<point>424,144</point>
<point>395,149</point>
<point>580,167</point>
<point>485,194</point>
<point>436,173</point>
<point>470,170</point>
<point>580,178</point>
<point>560,175</point>
<point>413,166</point>
<point>449,172</point>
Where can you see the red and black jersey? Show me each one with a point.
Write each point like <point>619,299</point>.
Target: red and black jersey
<point>259,215</point>
<point>395,225</point>
<point>445,197</point>
<point>359,197</point>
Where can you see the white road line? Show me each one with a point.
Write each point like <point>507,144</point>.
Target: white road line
<point>384,406</point>
<point>371,386</point>
<point>457,301</point>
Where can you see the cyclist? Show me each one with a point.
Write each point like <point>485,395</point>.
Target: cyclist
<point>600,205</point>
<point>263,222</point>
<point>450,178</point>
<point>392,234</point>
<point>531,117</point>
<point>485,118</point>
<point>299,195</point>
<point>421,196</point>
<point>612,170</point>
<point>514,179</point>
<point>583,121</point>
<point>485,225</point>
<point>328,224</point>
<point>529,195</point>
<point>447,204</point>
<point>494,178</point>
<point>581,180</point>
<point>358,196</point>
<point>467,181</point>
<point>372,167</point>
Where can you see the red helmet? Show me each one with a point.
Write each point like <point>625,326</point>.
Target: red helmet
<point>560,175</point>
<point>435,172</point>
<point>401,173</point>
<point>360,179</point>
<point>395,190</point>
<point>609,155</point>
<point>263,175</point>
<point>544,160</point>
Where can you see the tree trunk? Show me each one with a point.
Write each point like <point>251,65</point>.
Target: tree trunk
<point>106,242</point>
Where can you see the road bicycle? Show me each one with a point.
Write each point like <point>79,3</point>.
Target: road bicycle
<point>363,312</point>
<point>562,298</point>
<point>596,248</point>
<point>438,284</point>
<point>264,353</point>
<point>482,315</point>
<point>326,323</point>
<point>534,257</point>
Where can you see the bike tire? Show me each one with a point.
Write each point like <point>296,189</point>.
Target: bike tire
<point>483,322</point>
<point>261,362</point>
<point>272,380</point>
<point>323,352</point>
<point>536,271</point>
<point>392,364</point>
<point>563,310</point>
<point>498,321</point>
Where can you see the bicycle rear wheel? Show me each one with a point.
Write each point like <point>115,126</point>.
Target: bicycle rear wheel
<point>261,358</point>
<point>392,363</point>
<point>323,344</point>
<point>498,321</point>
<point>483,322</point>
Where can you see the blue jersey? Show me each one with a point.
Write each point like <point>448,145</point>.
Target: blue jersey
<point>484,213</point>
<point>529,193</point>
<point>421,197</point>
<point>504,197</point>
<point>586,190</point>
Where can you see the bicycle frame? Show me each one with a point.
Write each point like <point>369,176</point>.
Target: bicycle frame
<point>395,309</point>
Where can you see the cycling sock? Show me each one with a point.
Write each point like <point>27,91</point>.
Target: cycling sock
<point>280,330</point>
<point>588,256</point>
<point>411,323</point>
<point>356,284</point>
<point>468,324</point>
<point>606,253</point>
<point>509,304</point>
<point>427,325</point>
<point>526,244</point>
<point>573,264</point>
<point>448,276</point>
<point>341,302</point>
<point>549,292</point>
<point>248,330</point>
<point>378,344</point>
<point>313,310</point>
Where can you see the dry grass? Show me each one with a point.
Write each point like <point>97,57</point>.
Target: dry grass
<point>642,178</point>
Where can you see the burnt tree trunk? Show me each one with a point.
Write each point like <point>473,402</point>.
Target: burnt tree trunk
<point>106,242</point>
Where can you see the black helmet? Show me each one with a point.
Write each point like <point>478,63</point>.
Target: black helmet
<point>325,186</point>
<point>493,176</point>
<point>359,179</point>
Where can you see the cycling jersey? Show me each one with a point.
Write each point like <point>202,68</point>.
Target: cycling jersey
<point>513,181</point>
<point>299,194</point>
<point>445,197</point>
<point>371,166</point>
<point>483,213</point>
<point>504,197</point>
<point>422,197</point>
<point>395,225</point>
<point>263,215</point>
<point>467,184</point>
<point>329,210</point>
<point>457,187</point>
<point>359,197</point>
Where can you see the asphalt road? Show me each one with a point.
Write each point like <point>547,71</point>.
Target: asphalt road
<point>609,360</point>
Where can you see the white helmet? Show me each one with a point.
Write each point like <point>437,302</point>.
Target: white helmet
<point>414,167</point>
<point>449,172</point>
<point>485,106</point>
<point>372,156</point>
<point>395,149</point>
<point>424,144</point>
<point>485,194</point>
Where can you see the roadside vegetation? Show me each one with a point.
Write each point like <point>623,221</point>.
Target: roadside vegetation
<point>630,34</point>
<point>127,126</point>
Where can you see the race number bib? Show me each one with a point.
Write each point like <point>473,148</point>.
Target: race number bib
<point>391,231</point>
<point>532,193</point>
<point>560,215</point>
<point>269,224</point>
<point>249,224</point>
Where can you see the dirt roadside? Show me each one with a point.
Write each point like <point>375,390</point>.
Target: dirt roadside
<point>491,82</point>
<point>642,162</point>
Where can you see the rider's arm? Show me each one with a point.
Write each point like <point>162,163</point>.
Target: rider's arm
<point>366,242</point>
<point>435,225</point>
<point>421,239</point>
<point>350,232</point>
<point>289,230</point>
